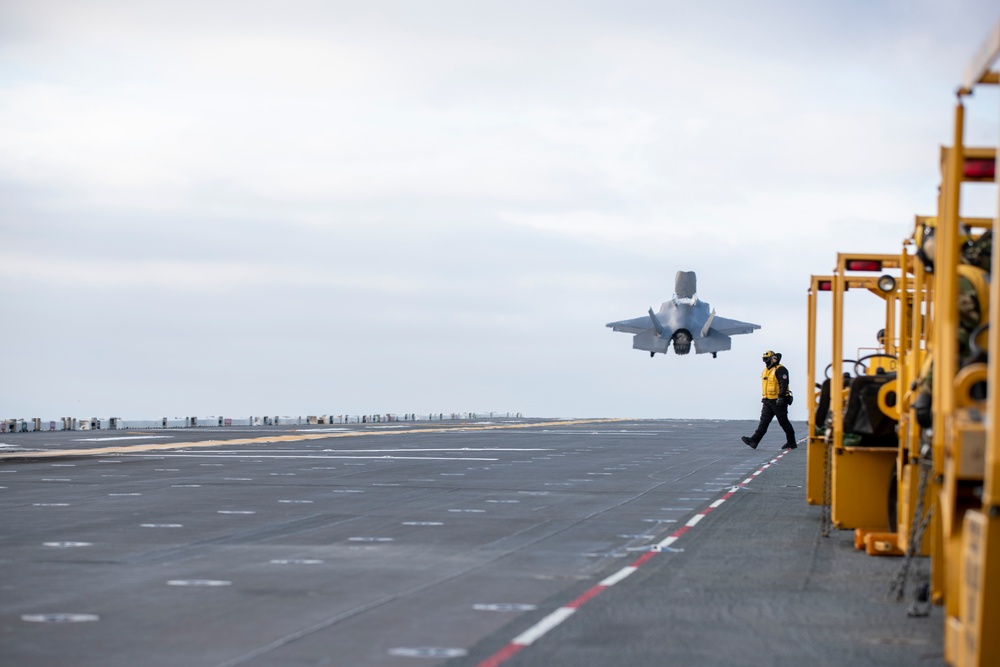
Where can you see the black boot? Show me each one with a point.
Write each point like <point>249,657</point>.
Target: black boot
<point>790,445</point>
<point>749,442</point>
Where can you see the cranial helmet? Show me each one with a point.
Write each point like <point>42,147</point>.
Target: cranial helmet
<point>766,356</point>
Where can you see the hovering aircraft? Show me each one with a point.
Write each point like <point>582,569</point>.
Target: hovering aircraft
<point>683,321</point>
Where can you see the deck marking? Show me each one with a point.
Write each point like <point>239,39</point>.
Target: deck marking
<point>296,437</point>
<point>504,606</point>
<point>60,618</point>
<point>427,652</point>
<point>123,437</point>
<point>297,561</point>
<point>199,582</point>
<point>371,539</point>
<point>423,523</point>
<point>618,576</point>
<point>542,627</point>
<point>533,633</point>
<point>324,456</point>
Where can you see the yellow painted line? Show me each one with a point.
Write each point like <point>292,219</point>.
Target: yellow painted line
<point>295,437</point>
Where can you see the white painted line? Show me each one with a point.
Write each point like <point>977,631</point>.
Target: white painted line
<point>693,521</point>
<point>717,502</point>
<point>397,450</point>
<point>504,606</point>
<point>428,652</point>
<point>123,437</point>
<point>60,618</point>
<point>619,575</point>
<point>539,629</point>
<point>385,458</point>
<point>198,582</point>
<point>370,539</point>
<point>666,543</point>
<point>323,430</point>
<point>423,523</point>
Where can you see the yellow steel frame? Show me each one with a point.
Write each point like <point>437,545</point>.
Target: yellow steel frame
<point>915,313</point>
<point>959,434</point>
<point>859,475</point>
<point>972,547</point>
<point>964,541</point>
<point>816,472</point>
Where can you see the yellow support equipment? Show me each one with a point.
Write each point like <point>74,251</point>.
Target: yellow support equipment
<point>817,473</point>
<point>860,476</point>
<point>976,641</point>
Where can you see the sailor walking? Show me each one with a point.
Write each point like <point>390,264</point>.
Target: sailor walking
<point>775,401</point>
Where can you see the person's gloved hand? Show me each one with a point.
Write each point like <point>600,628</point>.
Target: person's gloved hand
<point>780,401</point>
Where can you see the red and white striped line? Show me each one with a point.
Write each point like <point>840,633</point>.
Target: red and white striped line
<point>553,620</point>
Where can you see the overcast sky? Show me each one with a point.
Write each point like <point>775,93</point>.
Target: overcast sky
<point>291,208</point>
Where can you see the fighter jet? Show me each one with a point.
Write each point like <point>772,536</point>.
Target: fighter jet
<point>683,321</point>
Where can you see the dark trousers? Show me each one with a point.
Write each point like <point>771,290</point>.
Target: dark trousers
<point>768,411</point>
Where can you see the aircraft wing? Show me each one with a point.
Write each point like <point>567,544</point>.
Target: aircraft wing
<point>729,327</point>
<point>636,325</point>
<point>714,342</point>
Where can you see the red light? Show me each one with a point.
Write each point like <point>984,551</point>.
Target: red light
<point>863,265</point>
<point>980,168</point>
<point>824,286</point>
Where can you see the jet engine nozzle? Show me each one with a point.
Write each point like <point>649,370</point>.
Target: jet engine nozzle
<point>682,341</point>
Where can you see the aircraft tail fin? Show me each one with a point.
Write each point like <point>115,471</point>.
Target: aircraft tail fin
<point>656,322</point>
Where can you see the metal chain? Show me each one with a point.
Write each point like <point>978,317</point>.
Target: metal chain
<point>921,605</point>
<point>897,584</point>
<point>825,520</point>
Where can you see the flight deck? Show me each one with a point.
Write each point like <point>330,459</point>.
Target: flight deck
<point>516,542</point>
